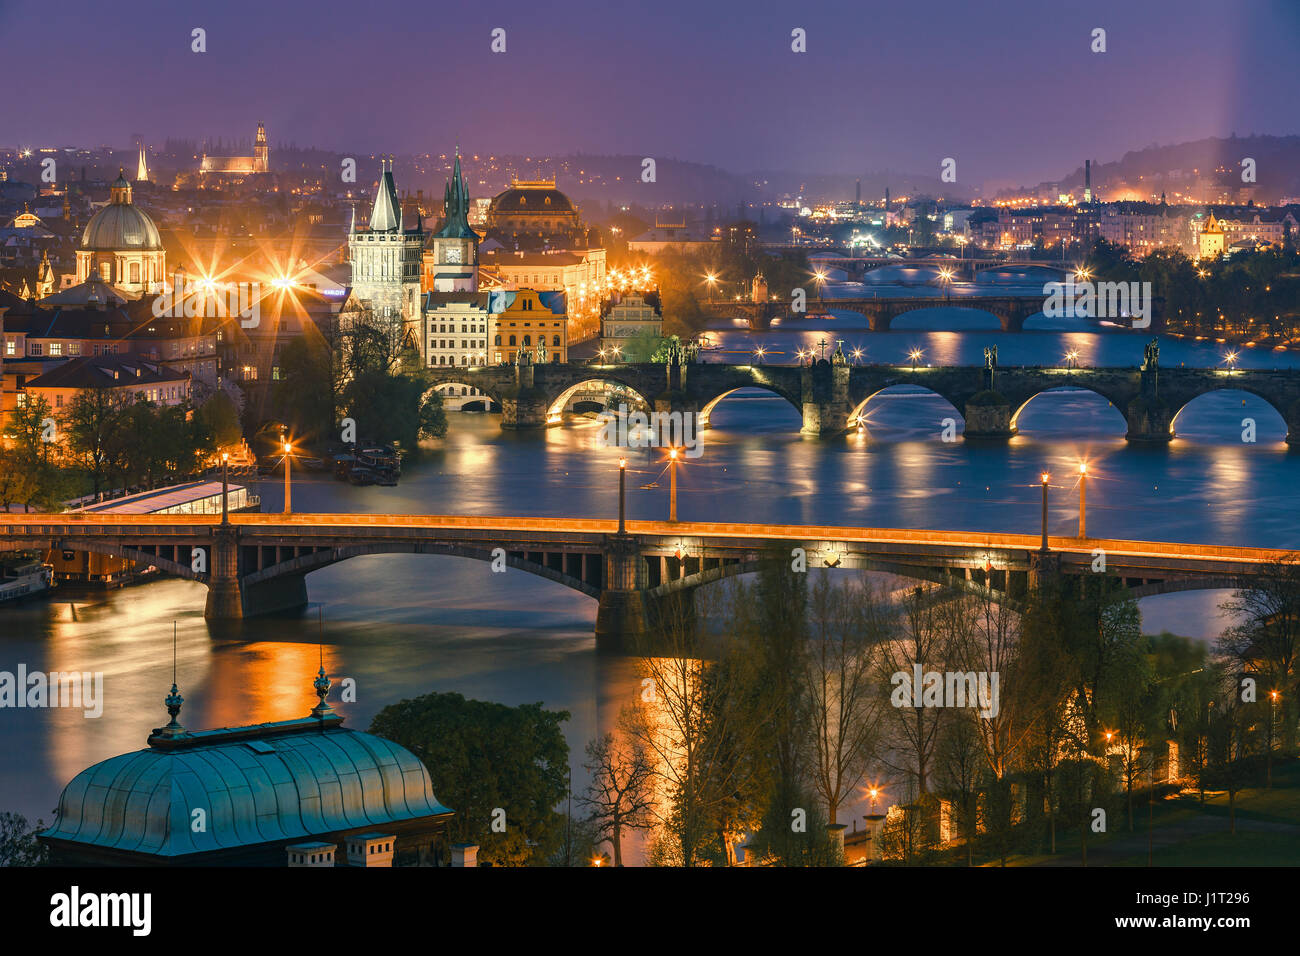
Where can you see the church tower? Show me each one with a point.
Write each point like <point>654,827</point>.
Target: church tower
<point>385,258</point>
<point>261,151</point>
<point>142,169</point>
<point>451,261</point>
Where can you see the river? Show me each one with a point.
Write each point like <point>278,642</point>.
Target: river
<point>403,625</point>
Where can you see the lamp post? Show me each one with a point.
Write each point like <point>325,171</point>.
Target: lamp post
<point>1083,499</point>
<point>288,509</point>
<point>1046,478</point>
<point>672,484</point>
<point>225,485</point>
<point>622,491</point>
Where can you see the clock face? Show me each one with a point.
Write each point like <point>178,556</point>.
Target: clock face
<point>453,254</point>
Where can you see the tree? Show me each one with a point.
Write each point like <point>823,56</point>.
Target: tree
<point>486,757</point>
<point>221,419</point>
<point>89,423</point>
<point>844,700</point>
<point>18,843</point>
<point>620,796</point>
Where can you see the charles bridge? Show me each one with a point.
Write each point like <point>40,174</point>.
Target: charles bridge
<point>258,563</point>
<point>831,394</point>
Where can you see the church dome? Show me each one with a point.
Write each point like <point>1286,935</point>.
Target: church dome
<point>524,198</point>
<point>261,784</point>
<point>121,225</point>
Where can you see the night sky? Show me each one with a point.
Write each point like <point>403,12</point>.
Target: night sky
<point>1007,87</point>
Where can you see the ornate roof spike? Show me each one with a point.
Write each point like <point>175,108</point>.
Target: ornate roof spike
<point>173,701</point>
<point>322,685</point>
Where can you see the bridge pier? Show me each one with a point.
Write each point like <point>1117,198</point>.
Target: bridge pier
<point>225,599</point>
<point>826,404</point>
<point>988,415</point>
<point>1149,421</point>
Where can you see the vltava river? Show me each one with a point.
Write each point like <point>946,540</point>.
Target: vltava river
<point>403,625</point>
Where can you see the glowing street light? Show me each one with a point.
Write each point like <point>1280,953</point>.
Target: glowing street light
<point>622,494</point>
<point>1046,479</point>
<point>712,281</point>
<point>857,356</point>
<point>1083,499</point>
<point>672,483</point>
<point>758,355</point>
<point>915,356</point>
<point>1072,358</point>
<point>1083,272</point>
<point>225,512</point>
<point>1231,360</point>
<point>288,450</point>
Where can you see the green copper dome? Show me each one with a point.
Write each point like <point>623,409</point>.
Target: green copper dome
<point>120,225</point>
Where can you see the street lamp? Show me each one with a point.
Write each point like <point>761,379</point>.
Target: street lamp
<point>1046,479</point>
<point>287,487</point>
<point>1072,358</point>
<point>915,356</point>
<point>672,483</point>
<point>712,281</point>
<point>622,493</point>
<point>1083,499</point>
<point>857,356</point>
<point>758,355</point>
<point>225,485</point>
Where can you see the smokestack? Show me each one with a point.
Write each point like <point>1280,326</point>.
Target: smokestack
<point>857,196</point>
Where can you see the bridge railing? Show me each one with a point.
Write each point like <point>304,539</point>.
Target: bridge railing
<point>75,524</point>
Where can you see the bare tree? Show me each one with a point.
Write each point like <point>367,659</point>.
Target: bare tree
<point>847,624</point>
<point>620,796</point>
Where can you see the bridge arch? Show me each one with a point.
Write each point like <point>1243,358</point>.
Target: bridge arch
<point>857,415</point>
<point>180,569</point>
<point>462,393</point>
<point>707,410</point>
<point>1236,389</point>
<point>1114,401</point>
<point>587,583</point>
<point>555,406</point>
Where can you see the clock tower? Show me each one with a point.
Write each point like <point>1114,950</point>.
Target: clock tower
<point>451,257</point>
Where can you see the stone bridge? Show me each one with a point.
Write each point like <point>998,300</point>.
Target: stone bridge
<point>257,563</point>
<point>965,267</point>
<point>831,396</point>
<point>1011,311</point>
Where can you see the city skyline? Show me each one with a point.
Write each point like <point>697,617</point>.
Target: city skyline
<point>898,95</point>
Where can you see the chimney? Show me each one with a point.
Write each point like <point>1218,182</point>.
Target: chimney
<point>311,854</point>
<point>371,849</point>
<point>464,854</point>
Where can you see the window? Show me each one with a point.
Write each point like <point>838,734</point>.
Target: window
<point>9,346</point>
<point>512,340</point>
<point>56,348</point>
<point>135,272</point>
<point>556,343</point>
<point>528,340</point>
<point>496,340</point>
<point>36,349</point>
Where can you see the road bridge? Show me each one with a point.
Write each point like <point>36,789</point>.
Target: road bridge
<point>258,563</point>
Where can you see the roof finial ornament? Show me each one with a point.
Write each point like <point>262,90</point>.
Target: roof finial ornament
<point>322,683</point>
<point>174,700</point>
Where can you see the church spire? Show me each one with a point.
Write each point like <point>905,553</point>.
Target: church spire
<point>142,168</point>
<point>387,213</point>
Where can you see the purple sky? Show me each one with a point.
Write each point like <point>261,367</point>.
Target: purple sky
<point>1007,87</point>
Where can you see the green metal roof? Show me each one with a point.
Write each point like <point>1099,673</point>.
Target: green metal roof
<point>270,782</point>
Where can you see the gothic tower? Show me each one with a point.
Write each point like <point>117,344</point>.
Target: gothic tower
<point>451,262</point>
<point>385,259</point>
<point>261,151</point>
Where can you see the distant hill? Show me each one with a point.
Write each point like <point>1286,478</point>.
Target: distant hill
<point>1277,165</point>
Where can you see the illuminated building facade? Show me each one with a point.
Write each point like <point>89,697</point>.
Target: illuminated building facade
<point>530,321</point>
<point>121,246</point>
<point>386,261</point>
<point>259,162</point>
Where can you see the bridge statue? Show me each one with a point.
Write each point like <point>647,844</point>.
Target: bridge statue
<point>522,357</point>
<point>1151,359</point>
<point>541,351</point>
<point>990,363</point>
<point>838,357</point>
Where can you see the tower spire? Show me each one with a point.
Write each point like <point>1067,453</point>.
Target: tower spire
<point>321,683</point>
<point>174,700</point>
